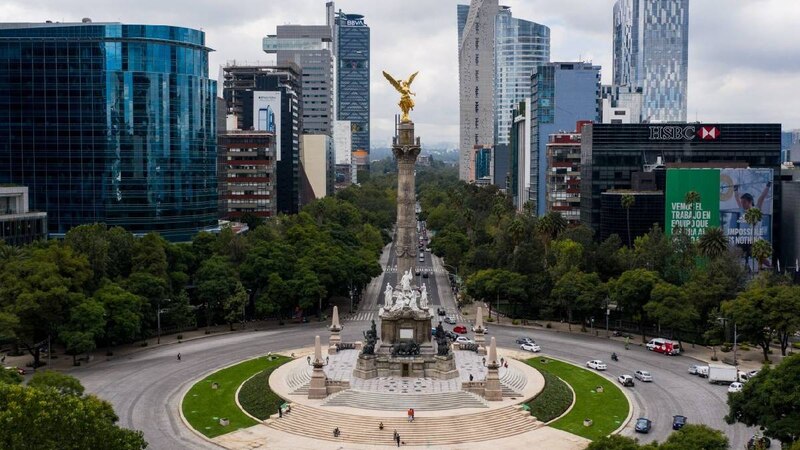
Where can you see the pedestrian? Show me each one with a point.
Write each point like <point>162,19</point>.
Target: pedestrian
<point>336,432</point>
<point>506,365</point>
<point>410,414</point>
<point>470,377</point>
<point>502,360</point>
<point>397,438</point>
<point>380,426</point>
<point>280,412</point>
<point>179,356</point>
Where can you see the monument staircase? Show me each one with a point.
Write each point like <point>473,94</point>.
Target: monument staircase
<point>387,401</point>
<point>513,382</point>
<point>298,380</point>
<point>429,431</point>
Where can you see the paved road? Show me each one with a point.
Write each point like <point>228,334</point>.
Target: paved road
<point>145,388</point>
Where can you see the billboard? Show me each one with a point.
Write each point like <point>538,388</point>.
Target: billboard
<point>725,195</point>
<point>267,115</point>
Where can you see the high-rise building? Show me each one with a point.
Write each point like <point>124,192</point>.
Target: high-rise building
<point>318,163</point>
<point>247,173</point>
<point>562,93</point>
<point>108,122</point>
<point>19,225</point>
<point>310,48</point>
<point>476,82</point>
<point>520,46</point>
<point>651,51</point>
<point>343,154</point>
<point>621,104</point>
<point>520,154</point>
<point>351,34</point>
<point>564,174</point>
<point>267,98</point>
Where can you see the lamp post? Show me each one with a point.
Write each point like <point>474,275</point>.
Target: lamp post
<point>608,313</point>
<point>158,319</point>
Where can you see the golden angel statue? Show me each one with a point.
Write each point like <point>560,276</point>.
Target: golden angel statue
<point>404,88</point>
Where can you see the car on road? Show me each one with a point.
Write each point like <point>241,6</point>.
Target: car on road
<point>485,329</point>
<point>416,272</point>
<point>460,329</point>
<point>693,369</point>
<point>702,371</point>
<point>596,364</point>
<point>530,347</point>
<point>746,376</point>
<point>643,425</point>
<point>525,340</point>
<point>625,380</point>
<point>450,319</point>
<point>735,387</point>
<point>643,375</point>
<point>678,422</point>
<point>450,335</point>
<point>758,442</point>
<point>441,311</point>
<point>424,274</point>
<point>464,340</point>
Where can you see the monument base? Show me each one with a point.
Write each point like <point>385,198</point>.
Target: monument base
<point>317,388</point>
<point>365,367</point>
<point>493,391</point>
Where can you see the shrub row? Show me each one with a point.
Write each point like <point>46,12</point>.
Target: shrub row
<point>554,399</point>
<point>257,398</point>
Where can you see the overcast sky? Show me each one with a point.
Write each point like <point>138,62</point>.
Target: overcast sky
<point>744,55</point>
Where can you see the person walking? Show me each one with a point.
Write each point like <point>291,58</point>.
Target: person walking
<point>470,377</point>
<point>410,414</point>
<point>179,356</point>
<point>397,438</point>
<point>280,412</point>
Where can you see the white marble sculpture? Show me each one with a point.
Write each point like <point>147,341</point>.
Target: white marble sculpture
<point>387,295</point>
<point>405,281</point>
<point>423,301</point>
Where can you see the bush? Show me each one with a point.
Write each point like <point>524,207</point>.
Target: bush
<point>179,337</point>
<point>725,348</point>
<point>554,399</point>
<point>548,325</point>
<point>515,322</point>
<point>490,319</point>
<point>744,347</point>
<point>796,345</point>
<point>257,398</point>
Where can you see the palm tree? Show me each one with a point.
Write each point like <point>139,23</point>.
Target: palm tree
<point>761,251</point>
<point>627,201</point>
<point>516,231</point>
<point>713,243</point>
<point>549,227</point>
<point>753,216</point>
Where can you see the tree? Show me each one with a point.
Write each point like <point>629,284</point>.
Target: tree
<point>762,250</point>
<point>123,313</point>
<point>750,312</point>
<point>631,291</point>
<point>45,419</point>
<point>64,384</point>
<point>90,240</point>
<point>671,307</point>
<point>614,442</point>
<point>233,305</point>
<point>490,284</point>
<point>628,201</point>
<point>752,216</point>
<point>713,243</point>
<point>215,281</point>
<point>771,400</point>
<point>695,437</point>
<point>84,329</point>
<point>579,291</point>
<point>782,314</point>
<point>180,312</point>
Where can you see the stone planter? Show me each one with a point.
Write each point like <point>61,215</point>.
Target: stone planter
<point>599,389</point>
<point>214,385</point>
<point>224,421</point>
<point>587,422</point>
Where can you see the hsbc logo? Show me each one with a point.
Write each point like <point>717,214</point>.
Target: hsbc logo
<point>708,133</point>
<point>683,133</point>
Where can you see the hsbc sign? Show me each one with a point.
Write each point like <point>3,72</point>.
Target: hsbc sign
<point>683,133</point>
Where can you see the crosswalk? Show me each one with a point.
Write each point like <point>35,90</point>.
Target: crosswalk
<point>393,269</point>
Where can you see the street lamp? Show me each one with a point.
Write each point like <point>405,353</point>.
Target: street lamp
<point>158,319</point>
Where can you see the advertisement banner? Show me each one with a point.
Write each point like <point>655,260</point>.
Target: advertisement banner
<point>740,190</point>
<point>267,115</point>
<point>691,215</point>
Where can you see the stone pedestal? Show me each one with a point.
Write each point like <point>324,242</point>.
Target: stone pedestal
<point>334,339</point>
<point>317,387</point>
<point>445,367</point>
<point>493,391</point>
<point>365,367</point>
<point>480,339</point>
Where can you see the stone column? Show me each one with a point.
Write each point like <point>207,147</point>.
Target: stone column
<point>406,149</point>
<point>317,388</point>
<point>493,391</point>
<point>480,339</point>
<point>335,329</point>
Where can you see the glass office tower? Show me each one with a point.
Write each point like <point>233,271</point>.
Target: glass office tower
<point>112,123</point>
<point>651,51</point>
<point>352,80</point>
<point>520,46</point>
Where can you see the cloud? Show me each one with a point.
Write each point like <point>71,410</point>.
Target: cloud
<point>744,61</point>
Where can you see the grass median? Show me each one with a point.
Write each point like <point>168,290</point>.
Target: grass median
<point>554,399</point>
<point>203,405</point>
<point>607,409</point>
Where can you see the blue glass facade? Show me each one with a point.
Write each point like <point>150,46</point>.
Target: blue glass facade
<point>113,123</point>
<point>562,93</point>
<point>352,81</point>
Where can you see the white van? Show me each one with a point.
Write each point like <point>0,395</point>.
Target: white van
<point>665,346</point>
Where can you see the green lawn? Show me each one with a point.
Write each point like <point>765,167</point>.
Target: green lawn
<point>607,409</point>
<point>203,406</point>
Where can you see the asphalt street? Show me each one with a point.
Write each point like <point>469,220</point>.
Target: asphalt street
<point>145,388</point>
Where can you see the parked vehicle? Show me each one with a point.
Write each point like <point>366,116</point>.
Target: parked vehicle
<point>678,422</point>
<point>664,346</point>
<point>424,274</point>
<point>596,364</point>
<point>719,374</point>
<point>625,380</point>
<point>643,375</point>
<point>530,347</point>
<point>460,329</point>
<point>525,340</point>
<point>643,425</point>
<point>735,387</point>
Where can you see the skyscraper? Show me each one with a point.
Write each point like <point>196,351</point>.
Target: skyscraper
<point>520,46</point>
<point>562,93</point>
<point>352,76</point>
<point>651,51</point>
<point>476,82</point>
<point>108,122</point>
<point>496,54</point>
<point>310,47</point>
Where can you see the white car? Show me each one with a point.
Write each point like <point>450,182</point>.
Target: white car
<point>485,329</point>
<point>625,380</point>
<point>735,387</point>
<point>531,347</point>
<point>450,319</point>
<point>643,375</point>
<point>693,369</point>
<point>596,364</point>
<point>463,340</point>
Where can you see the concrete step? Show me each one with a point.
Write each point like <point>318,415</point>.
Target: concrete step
<point>431,431</point>
<point>400,402</point>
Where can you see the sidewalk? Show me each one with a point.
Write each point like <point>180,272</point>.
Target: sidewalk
<point>750,359</point>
